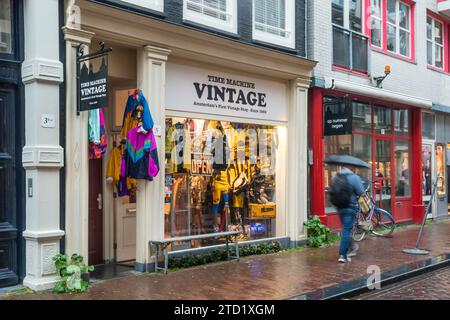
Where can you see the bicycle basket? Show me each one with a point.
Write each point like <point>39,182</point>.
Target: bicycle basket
<point>364,202</point>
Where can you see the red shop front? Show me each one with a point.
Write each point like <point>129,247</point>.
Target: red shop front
<point>386,135</point>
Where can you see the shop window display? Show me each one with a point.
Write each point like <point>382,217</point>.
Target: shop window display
<point>220,176</point>
<point>440,168</point>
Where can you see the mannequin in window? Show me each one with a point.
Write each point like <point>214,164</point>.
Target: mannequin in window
<point>217,144</point>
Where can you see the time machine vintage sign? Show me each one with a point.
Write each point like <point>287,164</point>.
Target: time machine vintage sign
<point>198,90</point>
<point>92,86</point>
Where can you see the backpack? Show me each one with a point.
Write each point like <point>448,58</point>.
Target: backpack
<point>341,191</point>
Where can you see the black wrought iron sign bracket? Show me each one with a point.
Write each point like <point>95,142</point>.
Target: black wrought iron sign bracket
<point>81,57</point>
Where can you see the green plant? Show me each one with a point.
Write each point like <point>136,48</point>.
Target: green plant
<point>177,263</point>
<point>70,272</point>
<point>318,234</point>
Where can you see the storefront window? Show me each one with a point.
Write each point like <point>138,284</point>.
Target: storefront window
<point>428,126</point>
<point>440,168</point>
<point>383,120</point>
<point>426,169</point>
<point>362,117</point>
<point>401,122</point>
<point>5,27</point>
<point>357,145</point>
<point>402,169</point>
<point>220,176</point>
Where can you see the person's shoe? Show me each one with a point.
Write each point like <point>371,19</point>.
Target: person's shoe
<point>343,259</point>
<point>353,251</point>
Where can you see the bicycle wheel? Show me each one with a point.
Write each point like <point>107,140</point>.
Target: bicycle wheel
<point>358,233</point>
<point>383,223</point>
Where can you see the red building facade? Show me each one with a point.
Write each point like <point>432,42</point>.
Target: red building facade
<point>385,134</point>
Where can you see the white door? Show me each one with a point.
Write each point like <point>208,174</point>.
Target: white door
<point>125,230</point>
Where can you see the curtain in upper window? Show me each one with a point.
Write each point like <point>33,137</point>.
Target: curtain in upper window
<point>270,16</point>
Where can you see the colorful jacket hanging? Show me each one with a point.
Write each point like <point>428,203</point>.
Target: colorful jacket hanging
<point>129,120</point>
<point>116,171</point>
<point>141,155</point>
<point>97,134</point>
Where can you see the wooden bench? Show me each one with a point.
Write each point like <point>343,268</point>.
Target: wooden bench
<point>162,245</point>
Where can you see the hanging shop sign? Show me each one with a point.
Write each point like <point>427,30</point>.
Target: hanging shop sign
<point>337,118</point>
<point>92,79</point>
<point>193,89</point>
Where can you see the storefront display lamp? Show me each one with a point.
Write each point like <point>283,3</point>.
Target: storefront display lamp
<point>379,80</point>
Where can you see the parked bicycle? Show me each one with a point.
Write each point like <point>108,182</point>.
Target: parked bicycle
<point>371,219</point>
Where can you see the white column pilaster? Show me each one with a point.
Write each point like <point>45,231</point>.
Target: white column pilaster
<point>42,73</point>
<point>150,195</point>
<point>297,186</point>
<point>77,166</point>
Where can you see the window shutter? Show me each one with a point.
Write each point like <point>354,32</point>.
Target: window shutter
<point>211,8</point>
<point>270,17</point>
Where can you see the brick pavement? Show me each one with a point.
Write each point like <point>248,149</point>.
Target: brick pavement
<point>277,276</point>
<point>430,286</point>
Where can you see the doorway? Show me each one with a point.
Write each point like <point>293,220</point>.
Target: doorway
<point>428,167</point>
<point>95,212</point>
<point>382,176</point>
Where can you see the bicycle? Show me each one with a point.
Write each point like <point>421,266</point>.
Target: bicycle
<point>374,219</point>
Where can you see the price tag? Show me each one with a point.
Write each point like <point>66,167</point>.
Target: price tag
<point>48,121</point>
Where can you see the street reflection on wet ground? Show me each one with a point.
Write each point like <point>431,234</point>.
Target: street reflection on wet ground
<point>283,275</point>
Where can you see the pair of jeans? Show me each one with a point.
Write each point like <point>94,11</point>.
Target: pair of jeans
<point>347,217</point>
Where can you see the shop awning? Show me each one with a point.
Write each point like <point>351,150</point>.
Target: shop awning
<point>441,108</point>
<point>378,93</point>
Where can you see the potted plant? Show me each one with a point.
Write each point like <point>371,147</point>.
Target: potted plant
<point>74,273</point>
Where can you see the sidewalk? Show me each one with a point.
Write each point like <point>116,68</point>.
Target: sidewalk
<point>303,274</point>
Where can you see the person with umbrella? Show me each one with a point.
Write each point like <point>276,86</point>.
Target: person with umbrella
<point>346,188</point>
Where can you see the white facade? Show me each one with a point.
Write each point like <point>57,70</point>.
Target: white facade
<point>412,79</point>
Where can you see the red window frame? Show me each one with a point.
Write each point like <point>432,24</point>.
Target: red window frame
<point>446,41</point>
<point>383,49</point>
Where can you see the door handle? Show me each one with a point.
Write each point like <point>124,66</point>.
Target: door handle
<point>398,203</point>
<point>100,202</point>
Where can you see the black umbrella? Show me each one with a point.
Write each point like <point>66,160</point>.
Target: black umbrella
<point>349,160</point>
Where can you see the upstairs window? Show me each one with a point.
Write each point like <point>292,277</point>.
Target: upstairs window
<point>350,45</point>
<point>157,5</point>
<point>274,22</point>
<point>435,43</point>
<point>376,23</point>
<point>5,26</point>
<point>391,26</point>
<point>218,14</point>
<point>399,28</point>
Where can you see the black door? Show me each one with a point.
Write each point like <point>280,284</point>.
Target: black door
<point>8,187</point>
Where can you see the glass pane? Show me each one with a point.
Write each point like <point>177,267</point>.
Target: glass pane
<point>338,12</point>
<point>5,27</point>
<point>438,54</point>
<point>355,15</point>
<point>429,28</point>
<point>376,32</point>
<point>357,145</point>
<point>429,53</point>
<point>362,117</point>
<point>440,170</point>
<point>426,169</point>
<point>206,165</point>
<point>341,50</point>
<point>383,120</point>
<point>359,53</point>
<point>404,16</point>
<point>392,38</point>
<point>383,171</point>
<point>428,126</point>
<point>376,8</point>
<point>271,16</point>
<point>438,31</point>
<point>404,43</point>
<point>402,172</point>
<point>391,11</point>
<point>401,122</point>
